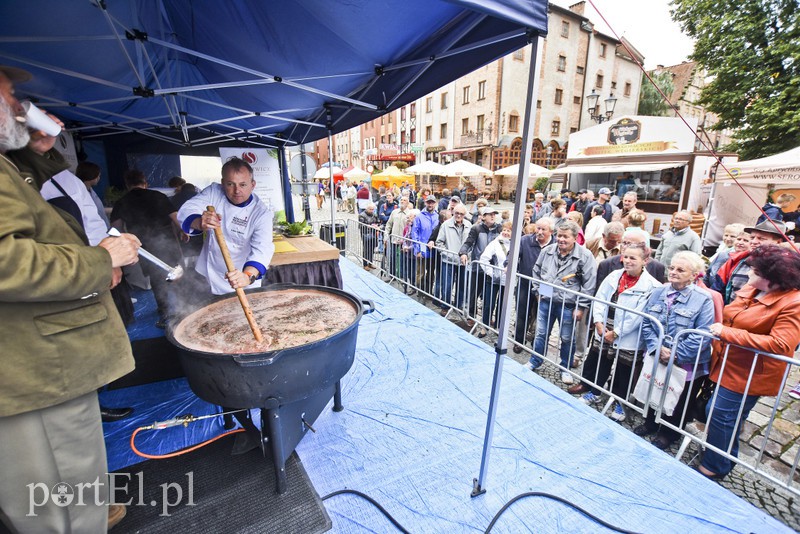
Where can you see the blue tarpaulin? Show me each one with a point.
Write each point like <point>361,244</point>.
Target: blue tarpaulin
<point>412,429</point>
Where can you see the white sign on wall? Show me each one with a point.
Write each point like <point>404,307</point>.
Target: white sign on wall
<point>266,173</point>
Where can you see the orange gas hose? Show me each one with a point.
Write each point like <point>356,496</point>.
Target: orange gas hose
<point>176,453</point>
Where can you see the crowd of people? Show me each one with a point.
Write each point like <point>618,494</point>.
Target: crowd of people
<point>573,246</point>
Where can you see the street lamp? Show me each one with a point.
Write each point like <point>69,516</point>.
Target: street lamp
<point>611,103</point>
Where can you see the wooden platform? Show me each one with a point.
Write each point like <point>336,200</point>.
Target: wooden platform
<point>309,249</point>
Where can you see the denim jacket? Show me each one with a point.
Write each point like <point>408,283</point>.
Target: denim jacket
<point>692,308</point>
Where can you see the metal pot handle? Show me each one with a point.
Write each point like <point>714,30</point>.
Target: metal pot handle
<point>367,302</point>
<point>250,361</point>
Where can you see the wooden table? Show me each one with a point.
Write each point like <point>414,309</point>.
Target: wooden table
<point>315,262</point>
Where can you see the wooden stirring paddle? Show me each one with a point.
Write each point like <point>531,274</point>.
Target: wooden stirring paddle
<point>226,255</point>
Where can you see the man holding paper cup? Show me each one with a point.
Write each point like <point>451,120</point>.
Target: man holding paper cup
<point>63,338</point>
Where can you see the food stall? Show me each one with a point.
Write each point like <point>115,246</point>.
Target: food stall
<point>653,156</point>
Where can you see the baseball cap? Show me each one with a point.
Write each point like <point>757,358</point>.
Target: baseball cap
<point>582,191</point>
<point>430,198</point>
<point>486,210</point>
<point>604,191</point>
<point>16,75</point>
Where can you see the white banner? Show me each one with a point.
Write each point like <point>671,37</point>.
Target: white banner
<point>265,172</point>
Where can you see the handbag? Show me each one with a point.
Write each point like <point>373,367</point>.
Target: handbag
<point>677,381</point>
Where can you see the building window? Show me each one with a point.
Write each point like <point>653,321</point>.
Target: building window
<point>429,104</point>
<point>482,90</point>
<point>627,88</point>
<point>599,81</point>
<point>573,130</point>
<point>576,100</point>
<point>579,70</point>
<point>464,126</point>
<point>443,130</point>
<point>403,137</point>
<point>390,118</point>
<point>555,128</point>
<point>519,55</point>
<point>602,50</point>
<point>538,104</point>
<point>564,28</point>
<point>444,101</point>
<point>466,95</point>
<point>382,117</point>
<point>383,139</point>
<point>613,85</point>
<point>562,63</point>
<point>413,111</point>
<point>403,113</point>
<point>428,133</point>
<point>559,96</point>
<point>513,123</point>
<point>413,135</point>
<point>480,123</point>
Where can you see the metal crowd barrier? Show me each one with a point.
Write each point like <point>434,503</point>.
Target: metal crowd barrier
<point>478,298</point>
<point>756,464</point>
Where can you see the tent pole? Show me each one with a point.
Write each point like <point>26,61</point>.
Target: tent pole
<point>329,120</point>
<point>288,206</point>
<point>501,348</point>
<point>306,207</point>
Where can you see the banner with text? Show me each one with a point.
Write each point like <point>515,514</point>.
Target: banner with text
<point>265,172</point>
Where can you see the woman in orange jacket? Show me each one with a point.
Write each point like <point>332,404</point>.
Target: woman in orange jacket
<point>765,317</point>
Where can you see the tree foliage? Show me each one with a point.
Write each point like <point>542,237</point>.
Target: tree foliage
<point>651,103</point>
<point>751,50</point>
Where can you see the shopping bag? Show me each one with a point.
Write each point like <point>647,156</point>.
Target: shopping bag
<point>677,381</point>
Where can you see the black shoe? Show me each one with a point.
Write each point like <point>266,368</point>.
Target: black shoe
<point>109,415</point>
<point>644,430</point>
<point>715,477</point>
<point>662,442</point>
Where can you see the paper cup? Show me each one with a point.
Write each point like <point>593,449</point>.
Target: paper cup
<point>39,121</point>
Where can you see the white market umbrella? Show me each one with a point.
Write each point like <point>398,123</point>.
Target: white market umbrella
<point>536,171</point>
<point>357,173</point>
<point>462,167</point>
<point>427,167</point>
<point>324,173</point>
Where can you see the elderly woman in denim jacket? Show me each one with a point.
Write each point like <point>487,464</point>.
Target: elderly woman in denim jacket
<point>618,332</point>
<point>765,316</point>
<point>679,305</point>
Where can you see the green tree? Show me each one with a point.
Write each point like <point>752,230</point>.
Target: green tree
<point>751,50</point>
<point>651,103</point>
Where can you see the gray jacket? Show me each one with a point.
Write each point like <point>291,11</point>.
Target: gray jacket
<point>452,239</point>
<point>579,263</point>
<point>672,243</point>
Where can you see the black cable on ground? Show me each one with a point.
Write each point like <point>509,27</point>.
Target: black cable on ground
<point>496,516</point>
<point>555,498</point>
<point>373,502</point>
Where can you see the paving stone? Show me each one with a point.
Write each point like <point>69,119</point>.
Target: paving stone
<point>762,409</point>
<point>788,427</point>
<point>772,448</point>
<point>780,436</point>
<point>790,455</point>
<point>749,430</point>
<point>758,419</point>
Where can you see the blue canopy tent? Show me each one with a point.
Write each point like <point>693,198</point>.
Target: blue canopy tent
<point>272,74</point>
<point>191,74</point>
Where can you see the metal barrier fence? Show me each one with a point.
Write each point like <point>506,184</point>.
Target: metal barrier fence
<point>721,432</point>
<point>610,370</point>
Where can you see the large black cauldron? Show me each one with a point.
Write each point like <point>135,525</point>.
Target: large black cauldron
<point>291,386</point>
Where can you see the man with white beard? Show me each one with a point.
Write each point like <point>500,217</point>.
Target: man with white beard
<point>62,339</point>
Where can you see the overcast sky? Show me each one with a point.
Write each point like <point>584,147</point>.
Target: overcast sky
<point>645,23</point>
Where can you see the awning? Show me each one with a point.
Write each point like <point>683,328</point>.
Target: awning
<point>458,151</point>
<point>618,168</point>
